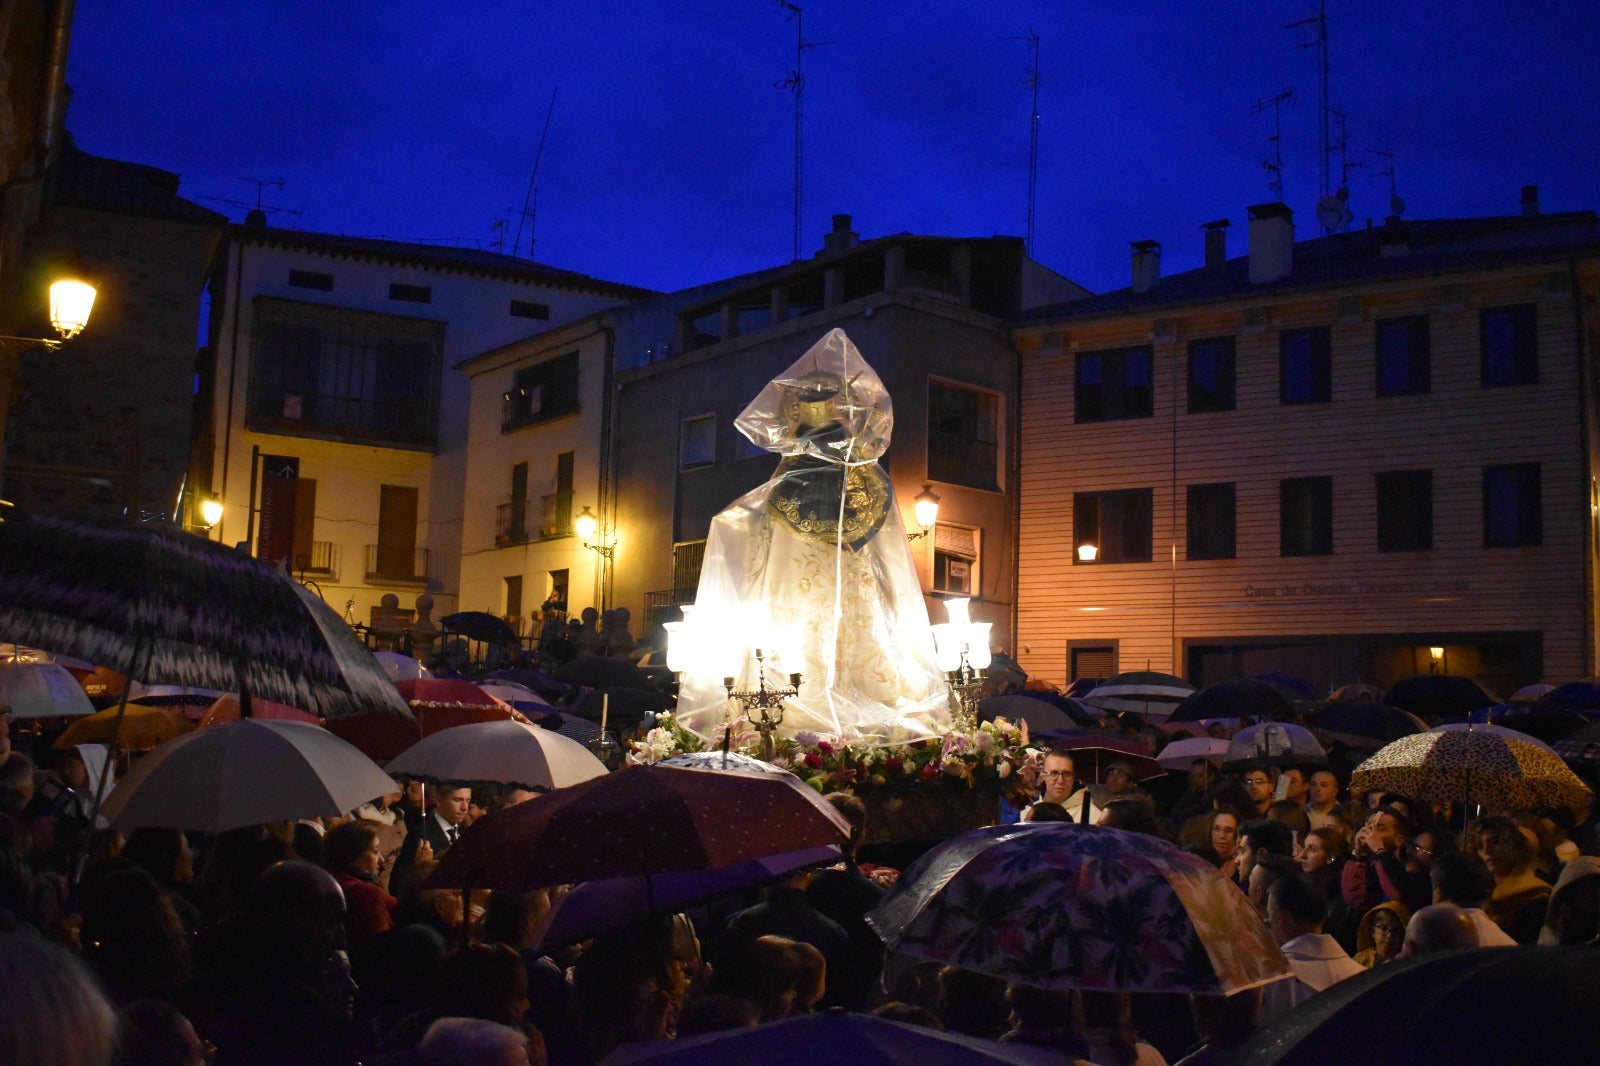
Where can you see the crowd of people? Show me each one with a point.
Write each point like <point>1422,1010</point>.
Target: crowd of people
<point>321,943</point>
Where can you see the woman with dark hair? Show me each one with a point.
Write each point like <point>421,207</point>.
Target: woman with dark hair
<point>1134,815</point>
<point>133,939</point>
<point>1518,901</point>
<point>351,853</point>
<point>1222,841</point>
<point>165,855</point>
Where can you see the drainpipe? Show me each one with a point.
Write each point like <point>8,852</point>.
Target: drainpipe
<point>608,431</point>
<point>1015,486</point>
<point>1585,413</point>
<point>52,111</point>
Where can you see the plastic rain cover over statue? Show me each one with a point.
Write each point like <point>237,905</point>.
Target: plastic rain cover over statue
<point>814,569</point>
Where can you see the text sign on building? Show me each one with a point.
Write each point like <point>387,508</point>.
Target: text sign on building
<point>278,476</point>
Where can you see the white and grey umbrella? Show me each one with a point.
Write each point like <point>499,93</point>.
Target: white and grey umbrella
<point>506,753</point>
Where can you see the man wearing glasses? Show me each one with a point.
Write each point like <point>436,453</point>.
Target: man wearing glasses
<point>1260,785</point>
<point>1061,788</point>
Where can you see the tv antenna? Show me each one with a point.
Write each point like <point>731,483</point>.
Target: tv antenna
<point>498,228</point>
<point>1334,211</point>
<point>1274,166</point>
<point>1319,24</point>
<point>796,83</point>
<point>1397,206</point>
<point>259,205</point>
<point>1032,82</point>
<point>530,200</point>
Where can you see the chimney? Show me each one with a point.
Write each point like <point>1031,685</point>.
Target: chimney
<point>1530,199</point>
<point>1271,243</point>
<point>1146,265</point>
<point>1216,243</point>
<point>841,239</point>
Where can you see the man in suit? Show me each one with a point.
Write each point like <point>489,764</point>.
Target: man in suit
<point>439,828</point>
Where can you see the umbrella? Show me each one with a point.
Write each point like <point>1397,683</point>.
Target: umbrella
<point>1548,722</point>
<point>1493,730</point>
<point>1042,716</point>
<point>400,667</point>
<point>226,709</point>
<point>166,606</point>
<point>622,708</point>
<point>1181,754</point>
<point>600,906</point>
<point>381,737</point>
<point>639,820</point>
<point>571,726</point>
<point>600,671</point>
<point>245,773</point>
<point>1234,699</point>
<point>1359,690</point>
<point>445,692</point>
<point>21,653</point>
<point>721,760</point>
<point>1575,697</point>
<point>1058,905</point>
<point>480,625</point>
<point>142,727</point>
<point>1436,696</point>
<point>1530,693</point>
<point>517,696</point>
<point>1091,751</point>
<point>536,681</point>
<point>1470,765</point>
<point>1145,692</point>
<point>1273,745</point>
<point>1292,686</point>
<point>34,689</point>
<point>1363,723</point>
<point>1580,750</point>
<point>1498,1005</point>
<point>832,1036</point>
<point>505,753</point>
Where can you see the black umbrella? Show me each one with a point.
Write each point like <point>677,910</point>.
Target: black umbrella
<point>1438,696</point>
<point>601,671</point>
<point>1235,699</point>
<point>1041,716</point>
<point>1499,1005</point>
<point>164,606</point>
<point>1580,750</point>
<point>622,708</point>
<point>1578,697</point>
<point>1364,723</point>
<point>480,625</point>
<point>1548,722</point>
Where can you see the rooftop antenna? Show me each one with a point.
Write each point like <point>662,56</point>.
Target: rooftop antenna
<point>1319,23</point>
<point>1397,206</point>
<point>1334,211</point>
<point>530,200</point>
<point>1274,166</point>
<point>258,210</point>
<point>498,228</point>
<point>1032,82</point>
<point>796,83</point>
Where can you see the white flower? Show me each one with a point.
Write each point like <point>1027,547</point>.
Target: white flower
<point>1003,770</point>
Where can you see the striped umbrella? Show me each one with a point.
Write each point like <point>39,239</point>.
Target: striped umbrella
<point>1471,766</point>
<point>161,605</point>
<point>1146,692</point>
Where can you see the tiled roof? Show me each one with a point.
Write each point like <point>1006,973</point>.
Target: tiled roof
<point>1399,248</point>
<point>83,180</point>
<point>439,257</point>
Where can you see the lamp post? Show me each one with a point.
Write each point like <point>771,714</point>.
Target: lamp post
<point>587,527</point>
<point>926,508</point>
<point>71,300</point>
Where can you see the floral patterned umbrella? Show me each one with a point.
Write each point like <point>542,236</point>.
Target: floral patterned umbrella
<point>1497,771</point>
<point>1057,905</point>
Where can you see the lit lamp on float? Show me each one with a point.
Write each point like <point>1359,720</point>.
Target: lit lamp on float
<point>961,648</point>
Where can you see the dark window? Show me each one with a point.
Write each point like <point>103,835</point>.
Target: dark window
<point>1113,384</point>
<point>345,373</point>
<point>697,442</point>
<point>529,309</point>
<point>1402,349</point>
<point>1211,364</point>
<point>1117,524</point>
<point>963,436</point>
<point>1211,521</point>
<point>1305,516</point>
<point>955,559</point>
<point>413,294</point>
<point>1512,514</point>
<point>1305,366</point>
<point>1510,346</point>
<point>541,392</point>
<point>1405,511</point>
<point>311,279</point>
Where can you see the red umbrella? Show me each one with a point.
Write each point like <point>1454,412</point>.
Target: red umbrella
<point>640,820</point>
<point>383,736</point>
<point>445,692</point>
<point>226,709</point>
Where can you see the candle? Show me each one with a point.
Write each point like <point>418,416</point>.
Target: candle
<point>605,705</point>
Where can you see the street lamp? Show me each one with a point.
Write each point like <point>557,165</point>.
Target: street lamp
<point>71,300</point>
<point>210,511</point>
<point>586,525</point>
<point>926,508</point>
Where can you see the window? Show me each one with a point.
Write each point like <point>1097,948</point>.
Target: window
<point>1211,519</point>
<point>1510,346</point>
<point>413,294</point>
<point>541,392</point>
<point>529,309</point>
<point>1305,516</point>
<point>955,559</point>
<point>1097,661</point>
<point>1402,350</point>
<point>556,598</point>
<point>514,599</point>
<point>350,374</point>
<point>1117,524</point>
<point>1211,364</point>
<point>697,442</point>
<point>963,436</point>
<point>1113,384</point>
<point>1512,513</point>
<point>311,279</point>
<point>1405,511</point>
<point>1305,366</point>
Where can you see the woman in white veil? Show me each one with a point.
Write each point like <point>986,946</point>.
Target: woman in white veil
<point>814,569</point>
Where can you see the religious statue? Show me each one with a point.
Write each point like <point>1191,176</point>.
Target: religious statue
<point>813,569</point>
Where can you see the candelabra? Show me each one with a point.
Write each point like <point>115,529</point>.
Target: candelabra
<point>966,690</point>
<point>763,707</point>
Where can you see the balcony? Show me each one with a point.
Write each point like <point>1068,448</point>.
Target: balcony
<point>511,523</point>
<point>321,561</point>
<point>555,515</point>
<point>389,565</point>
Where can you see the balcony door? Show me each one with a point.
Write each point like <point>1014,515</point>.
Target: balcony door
<point>397,531</point>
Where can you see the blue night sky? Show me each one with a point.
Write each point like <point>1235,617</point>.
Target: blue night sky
<point>669,160</point>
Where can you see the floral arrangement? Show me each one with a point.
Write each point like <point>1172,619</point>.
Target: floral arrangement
<point>994,755</point>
